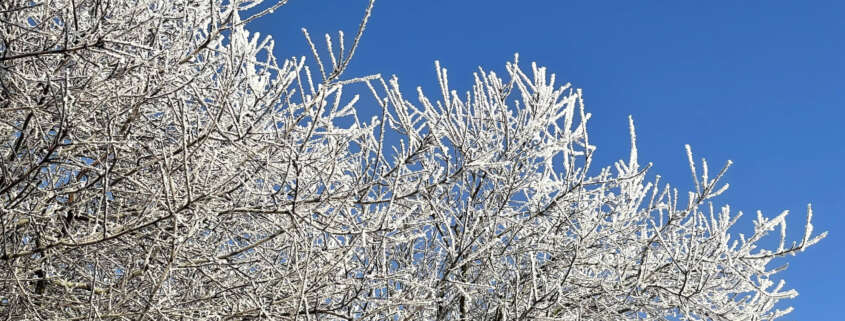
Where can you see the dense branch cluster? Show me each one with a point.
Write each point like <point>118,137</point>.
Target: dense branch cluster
<point>158,162</point>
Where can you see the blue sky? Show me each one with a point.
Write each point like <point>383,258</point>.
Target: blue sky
<point>757,82</point>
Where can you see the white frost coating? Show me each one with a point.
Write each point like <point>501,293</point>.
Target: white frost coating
<point>173,168</point>
<point>632,161</point>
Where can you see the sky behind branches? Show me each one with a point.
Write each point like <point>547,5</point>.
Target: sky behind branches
<point>757,82</point>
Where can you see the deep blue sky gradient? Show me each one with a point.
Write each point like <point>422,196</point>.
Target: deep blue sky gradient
<point>757,82</point>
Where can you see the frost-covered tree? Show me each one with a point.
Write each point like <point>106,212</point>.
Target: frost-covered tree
<point>159,163</point>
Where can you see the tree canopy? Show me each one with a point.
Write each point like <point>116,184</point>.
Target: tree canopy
<point>159,162</point>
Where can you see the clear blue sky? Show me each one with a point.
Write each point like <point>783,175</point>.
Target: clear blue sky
<point>757,82</point>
